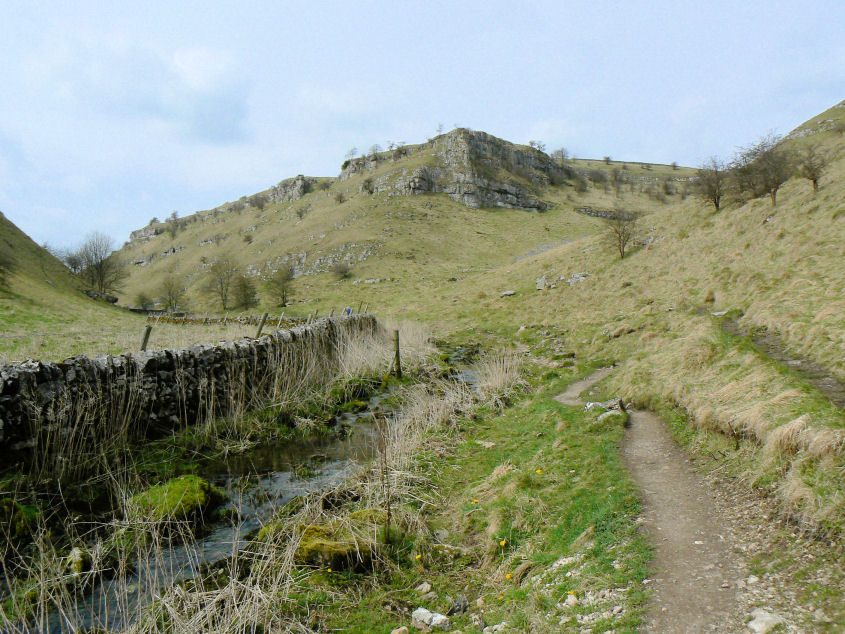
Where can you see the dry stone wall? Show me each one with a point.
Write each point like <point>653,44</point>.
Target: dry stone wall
<point>133,396</point>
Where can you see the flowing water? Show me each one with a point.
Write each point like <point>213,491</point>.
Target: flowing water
<point>257,483</point>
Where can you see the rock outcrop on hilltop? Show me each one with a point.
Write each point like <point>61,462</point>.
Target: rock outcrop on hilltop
<point>473,168</point>
<point>292,189</point>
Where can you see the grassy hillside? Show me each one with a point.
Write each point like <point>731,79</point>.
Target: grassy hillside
<point>774,273</point>
<point>401,248</point>
<point>44,313</point>
<point>44,309</point>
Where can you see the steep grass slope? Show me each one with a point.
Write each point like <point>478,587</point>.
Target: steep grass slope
<point>773,271</point>
<point>44,312</point>
<point>402,244</point>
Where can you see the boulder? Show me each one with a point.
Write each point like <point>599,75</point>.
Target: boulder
<point>426,621</point>
<point>187,497</point>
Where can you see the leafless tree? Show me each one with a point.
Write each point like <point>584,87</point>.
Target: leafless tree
<point>537,145</point>
<point>101,268</point>
<point>618,180</point>
<point>342,270</point>
<point>622,227</point>
<point>143,300</point>
<point>560,154</point>
<point>763,167</point>
<point>375,148</point>
<point>279,284</point>
<point>221,273</point>
<point>173,292</point>
<point>712,181</point>
<point>353,151</point>
<point>811,164</point>
<point>244,294</point>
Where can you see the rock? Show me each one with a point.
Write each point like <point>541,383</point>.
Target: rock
<point>507,293</point>
<point>751,580</point>
<point>499,627</point>
<point>478,621</point>
<point>763,621</point>
<point>187,497</point>
<point>571,600</point>
<point>459,606</point>
<point>425,620</point>
<point>78,561</point>
<point>429,596</point>
<point>541,283</point>
<point>613,415</point>
<point>480,602</point>
<point>719,313</point>
<point>423,588</point>
<point>400,630</point>
<point>346,542</point>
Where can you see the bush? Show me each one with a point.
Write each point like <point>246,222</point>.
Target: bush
<point>339,198</point>
<point>244,294</point>
<point>342,270</point>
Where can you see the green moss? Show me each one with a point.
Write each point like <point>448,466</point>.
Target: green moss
<point>343,543</point>
<point>187,497</point>
<point>16,521</point>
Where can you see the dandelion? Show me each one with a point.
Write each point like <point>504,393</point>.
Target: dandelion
<point>329,570</point>
<point>539,471</point>
<point>503,542</point>
<point>509,576</point>
<point>501,596</point>
<point>570,592</point>
<point>418,557</point>
<point>475,501</point>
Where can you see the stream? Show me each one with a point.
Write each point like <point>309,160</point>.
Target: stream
<point>257,484</point>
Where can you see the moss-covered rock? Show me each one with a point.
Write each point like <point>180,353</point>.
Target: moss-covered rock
<point>78,562</point>
<point>347,542</point>
<point>187,497</point>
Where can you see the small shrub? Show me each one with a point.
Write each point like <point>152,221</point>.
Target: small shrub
<point>339,198</point>
<point>342,270</point>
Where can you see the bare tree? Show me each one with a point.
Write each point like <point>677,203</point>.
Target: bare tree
<point>72,258</point>
<point>375,148</point>
<point>100,267</point>
<point>143,300</point>
<point>173,292</point>
<point>221,273</point>
<point>763,167</point>
<point>259,201</point>
<point>811,164</point>
<point>537,145</point>
<point>560,154</point>
<point>279,284</point>
<point>353,151</point>
<point>244,294</point>
<point>618,180</point>
<point>712,181</point>
<point>606,159</point>
<point>621,226</point>
<point>342,270</point>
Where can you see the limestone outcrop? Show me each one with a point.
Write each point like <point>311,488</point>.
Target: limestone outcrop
<point>473,168</point>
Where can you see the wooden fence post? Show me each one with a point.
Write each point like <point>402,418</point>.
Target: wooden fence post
<point>146,338</point>
<point>261,325</point>
<point>397,362</point>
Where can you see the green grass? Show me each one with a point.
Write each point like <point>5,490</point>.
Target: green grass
<point>581,504</point>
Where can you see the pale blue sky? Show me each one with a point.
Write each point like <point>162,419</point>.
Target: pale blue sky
<point>111,113</point>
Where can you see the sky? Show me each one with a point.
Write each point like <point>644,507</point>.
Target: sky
<point>113,113</point>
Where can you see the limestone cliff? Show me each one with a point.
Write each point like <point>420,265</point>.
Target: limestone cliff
<point>473,168</point>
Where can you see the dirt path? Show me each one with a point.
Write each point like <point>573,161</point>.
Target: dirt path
<point>774,347</point>
<point>694,566</point>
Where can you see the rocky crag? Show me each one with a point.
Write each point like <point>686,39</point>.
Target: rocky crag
<point>473,168</point>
